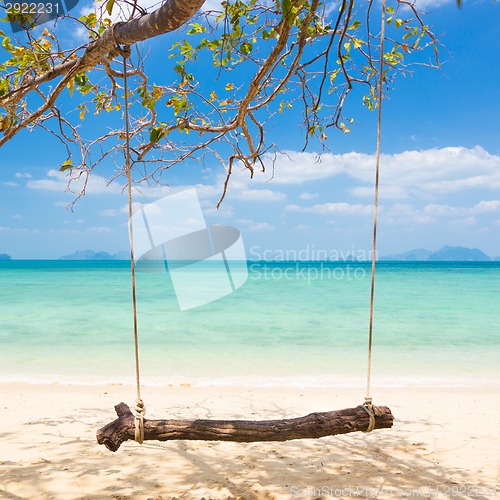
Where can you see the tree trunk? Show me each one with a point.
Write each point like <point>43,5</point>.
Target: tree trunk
<point>170,16</point>
<point>314,425</point>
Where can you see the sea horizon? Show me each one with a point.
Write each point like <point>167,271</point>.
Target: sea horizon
<point>292,324</point>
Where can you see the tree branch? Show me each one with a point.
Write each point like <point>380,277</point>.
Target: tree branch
<point>312,426</point>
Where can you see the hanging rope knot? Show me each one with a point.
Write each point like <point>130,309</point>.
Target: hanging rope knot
<point>372,411</point>
<point>140,411</point>
<point>124,50</point>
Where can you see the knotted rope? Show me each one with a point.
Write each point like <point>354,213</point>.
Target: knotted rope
<point>369,408</point>
<point>140,407</point>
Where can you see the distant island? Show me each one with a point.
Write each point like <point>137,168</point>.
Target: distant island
<point>93,255</point>
<point>4,256</point>
<point>446,253</point>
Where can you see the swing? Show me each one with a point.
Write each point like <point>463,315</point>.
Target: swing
<point>133,426</point>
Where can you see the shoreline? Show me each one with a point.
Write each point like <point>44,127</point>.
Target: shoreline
<point>442,445</point>
<point>334,381</point>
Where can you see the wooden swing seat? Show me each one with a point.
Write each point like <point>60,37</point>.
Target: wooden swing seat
<point>315,425</point>
<point>312,426</point>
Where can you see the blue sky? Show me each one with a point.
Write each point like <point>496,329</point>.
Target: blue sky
<point>440,178</point>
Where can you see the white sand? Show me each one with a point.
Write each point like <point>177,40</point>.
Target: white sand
<point>444,445</point>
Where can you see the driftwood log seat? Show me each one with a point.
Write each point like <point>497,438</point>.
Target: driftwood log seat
<point>314,425</point>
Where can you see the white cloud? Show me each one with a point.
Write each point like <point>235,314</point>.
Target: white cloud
<point>257,195</point>
<point>296,168</point>
<point>219,212</point>
<point>212,5</point>
<point>447,210</point>
<point>62,182</point>
<point>469,221</point>
<point>422,4</point>
<point>332,208</point>
<point>308,196</point>
<point>10,184</point>
<point>54,183</point>
<point>441,210</point>
<point>7,229</point>
<point>203,191</point>
<point>99,229</point>
<point>406,213</point>
<point>400,213</point>
<point>23,175</point>
<point>59,181</point>
<point>412,179</point>
<point>487,206</point>
<point>403,175</point>
<point>255,226</point>
<point>260,226</point>
<point>113,212</point>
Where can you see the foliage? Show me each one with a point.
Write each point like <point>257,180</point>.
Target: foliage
<point>229,72</point>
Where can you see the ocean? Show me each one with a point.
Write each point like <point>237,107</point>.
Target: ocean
<point>292,323</point>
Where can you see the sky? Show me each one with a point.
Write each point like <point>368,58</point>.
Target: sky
<point>439,184</point>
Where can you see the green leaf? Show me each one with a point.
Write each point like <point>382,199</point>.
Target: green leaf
<point>71,86</point>
<point>357,43</point>
<point>67,165</point>
<point>195,28</point>
<point>155,135</point>
<point>246,48</point>
<point>4,87</point>
<point>85,89</point>
<point>109,6</point>
<point>81,79</point>
<point>289,11</point>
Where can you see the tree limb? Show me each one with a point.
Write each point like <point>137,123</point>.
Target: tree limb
<point>312,426</point>
<point>171,15</point>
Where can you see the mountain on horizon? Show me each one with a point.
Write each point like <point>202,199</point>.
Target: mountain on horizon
<point>93,255</point>
<point>417,254</point>
<point>4,256</point>
<point>446,253</point>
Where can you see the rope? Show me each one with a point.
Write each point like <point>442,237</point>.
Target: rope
<point>369,408</point>
<point>368,400</point>
<point>140,407</point>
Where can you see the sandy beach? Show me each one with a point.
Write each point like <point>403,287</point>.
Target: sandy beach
<point>444,444</point>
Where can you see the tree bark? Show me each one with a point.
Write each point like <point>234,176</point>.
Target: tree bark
<point>170,16</point>
<point>314,425</point>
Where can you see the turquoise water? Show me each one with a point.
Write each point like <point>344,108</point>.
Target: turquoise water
<point>291,323</point>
